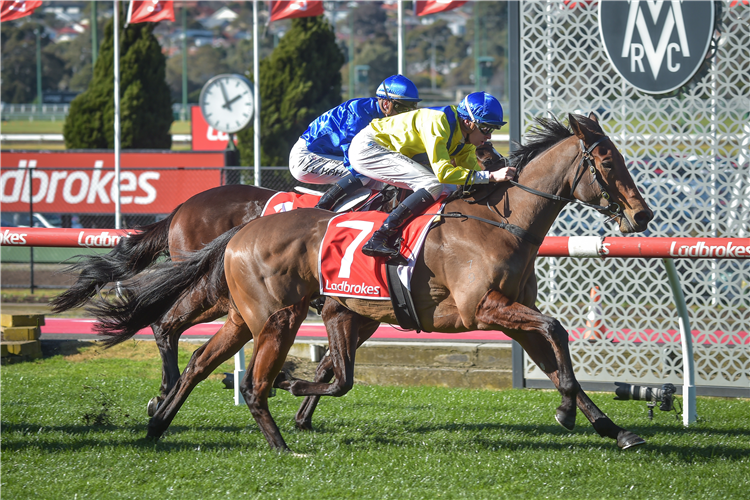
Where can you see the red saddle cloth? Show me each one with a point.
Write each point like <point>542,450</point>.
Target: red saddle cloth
<point>285,202</point>
<point>346,272</point>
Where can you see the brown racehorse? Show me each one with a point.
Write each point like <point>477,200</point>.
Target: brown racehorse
<point>471,275</point>
<point>192,225</point>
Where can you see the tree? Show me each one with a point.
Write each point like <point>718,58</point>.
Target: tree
<point>146,107</point>
<point>381,55</point>
<point>205,62</point>
<point>76,54</point>
<point>19,63</point>
<point>298,82</point>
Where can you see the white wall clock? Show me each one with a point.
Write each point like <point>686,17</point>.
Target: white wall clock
<point>227,102</point>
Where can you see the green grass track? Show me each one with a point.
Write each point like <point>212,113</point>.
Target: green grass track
<point>73,427</point>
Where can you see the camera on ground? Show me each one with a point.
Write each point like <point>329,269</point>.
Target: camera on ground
<point>653,395</point>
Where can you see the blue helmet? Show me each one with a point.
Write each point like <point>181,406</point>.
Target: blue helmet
<point>483,109</point>
<point>398,88</point>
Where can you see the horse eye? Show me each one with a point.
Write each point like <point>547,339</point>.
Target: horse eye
<point>607,165</point>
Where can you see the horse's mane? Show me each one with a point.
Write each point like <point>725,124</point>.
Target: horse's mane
<point>546,133</point>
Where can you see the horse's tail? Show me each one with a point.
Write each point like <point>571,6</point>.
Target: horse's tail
<point>149,296</point>
<point>133,254</point>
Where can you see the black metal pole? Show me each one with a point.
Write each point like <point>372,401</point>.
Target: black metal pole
<point>231,159</point>
<point>514,53</point>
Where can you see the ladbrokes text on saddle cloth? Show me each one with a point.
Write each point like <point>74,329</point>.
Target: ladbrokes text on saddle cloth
<point>346,272</point>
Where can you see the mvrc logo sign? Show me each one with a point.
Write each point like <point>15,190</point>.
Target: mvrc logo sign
<point>657,46</point>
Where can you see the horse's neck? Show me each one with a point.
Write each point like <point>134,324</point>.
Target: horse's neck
<point>552,172</point>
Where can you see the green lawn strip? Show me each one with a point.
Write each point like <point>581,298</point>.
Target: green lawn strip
<point>56,127</point>
<point>377,442</point>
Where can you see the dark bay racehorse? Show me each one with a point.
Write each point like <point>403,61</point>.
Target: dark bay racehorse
<point>475,272</point>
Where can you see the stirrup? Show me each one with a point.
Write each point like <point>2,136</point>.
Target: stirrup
<point>380,247</point>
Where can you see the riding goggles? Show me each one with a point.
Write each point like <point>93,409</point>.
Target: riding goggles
<point>485,129</point>
<point>403,106</point>
<point>400,106</point>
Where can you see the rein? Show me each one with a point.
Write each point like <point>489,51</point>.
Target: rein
<point>511,228</point>
<point>613,209</point>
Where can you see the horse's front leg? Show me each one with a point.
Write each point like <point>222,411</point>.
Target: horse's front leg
<point>338,361</point>
<point>497,310</point>
<point>343,327</point>
<point>542,354</point>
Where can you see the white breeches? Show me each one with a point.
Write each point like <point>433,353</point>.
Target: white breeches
<point>314,168</point>
<point>371,159</point>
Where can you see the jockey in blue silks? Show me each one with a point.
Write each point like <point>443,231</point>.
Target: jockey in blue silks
<point>321,155</point>
<point>446,137</point>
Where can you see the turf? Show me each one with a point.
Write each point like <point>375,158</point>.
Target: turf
<point>74,427</point>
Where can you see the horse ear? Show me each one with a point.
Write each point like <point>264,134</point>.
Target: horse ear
<point>593,117</point>
<point>576,127</point>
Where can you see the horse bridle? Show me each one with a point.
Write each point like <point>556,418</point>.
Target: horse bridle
<point>612,208</point>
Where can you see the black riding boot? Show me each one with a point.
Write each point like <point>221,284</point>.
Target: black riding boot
<point>342,188</point>
<point>380,244</point>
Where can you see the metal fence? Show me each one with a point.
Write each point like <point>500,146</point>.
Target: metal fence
<point>55,112</point>
<point>31,112</point>
<point>689,155</point>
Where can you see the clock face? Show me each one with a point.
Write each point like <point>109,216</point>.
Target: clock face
<point>227,103</point>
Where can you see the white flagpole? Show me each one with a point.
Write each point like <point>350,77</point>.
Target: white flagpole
<point>116,180</point>
<point>239,357</point>
<point>256,94</point>
<point>400,37</point>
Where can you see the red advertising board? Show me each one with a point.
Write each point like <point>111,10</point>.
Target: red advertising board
<point>82,182</point>
<point>203,136</point>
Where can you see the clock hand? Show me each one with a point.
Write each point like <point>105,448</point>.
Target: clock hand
<point>226,104</point>
<point>232,101</point>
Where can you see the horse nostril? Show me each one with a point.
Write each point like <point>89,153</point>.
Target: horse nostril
<point>643,217</point>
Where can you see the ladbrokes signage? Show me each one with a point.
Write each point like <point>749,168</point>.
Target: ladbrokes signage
<point>83,182</point>
<point>657,46</point>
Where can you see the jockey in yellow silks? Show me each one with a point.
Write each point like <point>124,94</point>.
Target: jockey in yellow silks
<point>392,150</point>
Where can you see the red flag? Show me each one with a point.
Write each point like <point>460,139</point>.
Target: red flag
<point>150,11</point>
<point>13,9</point>
<point>287,9</point>
<point>572,4</point>
<point>425,7</point>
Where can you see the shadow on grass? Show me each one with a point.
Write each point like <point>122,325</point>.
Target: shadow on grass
<point>492,437</point>
<point>52,348</point>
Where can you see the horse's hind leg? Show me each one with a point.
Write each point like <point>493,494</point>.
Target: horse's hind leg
<point>517,320</point>
<point>228,340</point>
<point>271,347</point>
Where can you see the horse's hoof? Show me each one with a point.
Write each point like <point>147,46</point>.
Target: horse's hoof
<point>152,436</point>
<point>566,419</point>
<point>153,405</point>
<point>282,381</point>
<point>627,439</point>
<point>304,425</point>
